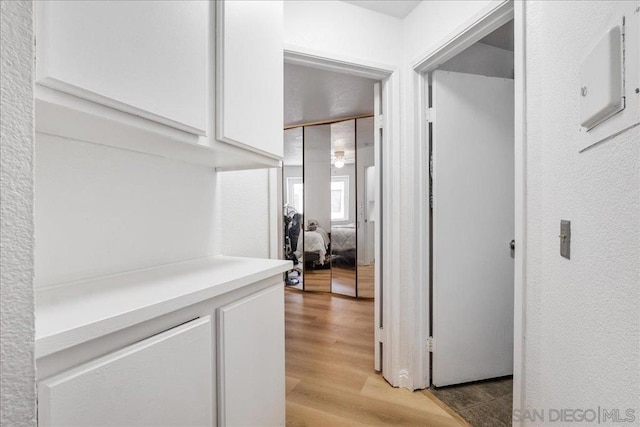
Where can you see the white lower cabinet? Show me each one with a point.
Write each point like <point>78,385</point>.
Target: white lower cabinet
<point>251,361</point>
<point>165,380</point>
<point>223,364</point>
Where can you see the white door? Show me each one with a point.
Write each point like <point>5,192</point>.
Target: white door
<point>473,217</point>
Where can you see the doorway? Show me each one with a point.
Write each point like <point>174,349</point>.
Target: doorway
<point>470,134</point>
<point>371,180</point>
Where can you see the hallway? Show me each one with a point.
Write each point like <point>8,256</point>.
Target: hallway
<point>329,368</point>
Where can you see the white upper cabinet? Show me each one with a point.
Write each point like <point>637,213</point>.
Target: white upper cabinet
<point>249,89</point>
<point>146,58</point>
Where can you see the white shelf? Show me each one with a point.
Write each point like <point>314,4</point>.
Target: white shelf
<point>75,313</point>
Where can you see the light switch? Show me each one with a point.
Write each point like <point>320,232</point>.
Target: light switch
<point>601,80</point>
<point>565,238</point>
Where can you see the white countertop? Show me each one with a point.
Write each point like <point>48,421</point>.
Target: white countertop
<point>73,313</point>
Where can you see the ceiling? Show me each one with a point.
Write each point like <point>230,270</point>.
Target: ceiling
<point>398,8</point>
<point>312,95</point>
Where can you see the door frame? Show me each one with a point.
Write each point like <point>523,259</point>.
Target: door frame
<point>388,180</point>
<point>488,19</point>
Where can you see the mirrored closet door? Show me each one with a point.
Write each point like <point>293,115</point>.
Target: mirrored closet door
<point>293,209</point>
<point>343,209</point>
<point>317,207</point>
<point>329,205</point>
<point>365,206</point>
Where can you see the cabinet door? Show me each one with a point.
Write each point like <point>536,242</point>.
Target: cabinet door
<point>166,380</point>
<point>249,90</point>
<point>251,360</point>
<point>147,58</point>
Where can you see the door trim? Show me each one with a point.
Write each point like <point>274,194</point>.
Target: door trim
<point>488,19</point>
<point>390,224</point>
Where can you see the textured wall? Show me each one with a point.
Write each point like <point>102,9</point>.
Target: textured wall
<point>244,207</point>
<point>583,317</point>
<point>432,21</point>
<point>17,370</point>
<point>102,210</point>
<point>325,26</point>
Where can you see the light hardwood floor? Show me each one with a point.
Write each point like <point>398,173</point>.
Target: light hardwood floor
<point>329,366</point>
<point>339,281</point>
<point>317,280</point>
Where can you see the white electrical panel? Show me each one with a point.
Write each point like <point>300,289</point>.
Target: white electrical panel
<point>609,85</point>
<point>601,94</point>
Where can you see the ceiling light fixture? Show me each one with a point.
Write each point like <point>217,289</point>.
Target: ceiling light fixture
<point>339,162</point>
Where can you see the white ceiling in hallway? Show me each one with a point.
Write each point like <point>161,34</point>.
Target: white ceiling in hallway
<point>398,8</point>
<point>312,95</point>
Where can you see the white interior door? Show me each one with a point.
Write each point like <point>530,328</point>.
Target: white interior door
<point>473,217</point>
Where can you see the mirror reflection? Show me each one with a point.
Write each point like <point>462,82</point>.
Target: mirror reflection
<point>343,208</point>
<point>293,195</point>
<point>329,207</point>
<point>317,207</point>
<point>366,206</point>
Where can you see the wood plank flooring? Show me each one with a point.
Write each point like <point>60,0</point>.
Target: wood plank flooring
<point>366,281</point>
<point>317,280</point>
<point>329,367</point>
<point>339,281</point>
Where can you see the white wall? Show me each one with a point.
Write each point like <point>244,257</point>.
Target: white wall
<point>102,210</point>
<point>342,30</point>
<point>17,366</point>
<point>244,202</point>
<point>583,317</point>
<point>432,21</point>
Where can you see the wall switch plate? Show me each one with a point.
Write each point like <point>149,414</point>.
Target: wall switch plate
<point>565,239</point>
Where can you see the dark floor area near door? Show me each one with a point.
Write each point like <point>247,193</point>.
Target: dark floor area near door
<point>482,403</point>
